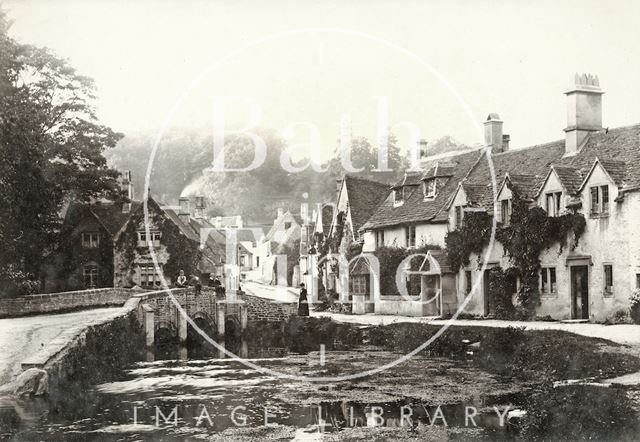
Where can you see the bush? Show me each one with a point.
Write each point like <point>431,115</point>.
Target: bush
<point>579,412</point>
<point>14,283</point>
<point>620,316</point>
<point>635,306</point>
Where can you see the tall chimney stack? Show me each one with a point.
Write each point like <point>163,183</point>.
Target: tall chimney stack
<point>183,209</point>
<point>493,133</point>
<point>584,111</point>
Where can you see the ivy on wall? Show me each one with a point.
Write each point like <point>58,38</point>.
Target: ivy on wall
<point>75,256</point>
<point>390,259</point>
<point>528,234</point>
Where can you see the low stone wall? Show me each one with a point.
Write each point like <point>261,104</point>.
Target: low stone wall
<point>63,301</point>
<point>260,309</point>
<point>96,348</point>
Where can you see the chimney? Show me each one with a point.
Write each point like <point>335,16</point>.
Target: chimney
<point>584,111</point>
<point>304,213</point>
<point>200,206</point>
<point>505,142</point>
<point>239,222</point>
<point>218,222</point>
<point>493,133</point>
<point>183,210</point>
<point>422,148</point>
<point>280,213</point>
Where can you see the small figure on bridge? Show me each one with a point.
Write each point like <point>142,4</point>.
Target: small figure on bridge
<point>212,280</point>
<point>303,304</point>
<point>196,283</point>
<point>182,280</point>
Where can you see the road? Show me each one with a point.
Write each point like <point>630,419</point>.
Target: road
<point>23,337</point>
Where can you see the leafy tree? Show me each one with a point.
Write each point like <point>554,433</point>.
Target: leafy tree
<point>51,149</point>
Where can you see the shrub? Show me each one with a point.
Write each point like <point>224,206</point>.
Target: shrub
<point>635,306</point>
<point>620,316</point>
<point>15,283</point>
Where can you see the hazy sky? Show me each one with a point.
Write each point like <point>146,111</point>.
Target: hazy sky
<point>515,58</point>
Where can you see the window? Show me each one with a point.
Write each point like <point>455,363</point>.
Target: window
<point>599,200</point>
<point>429,188</point>
<point>90,275</point>
<point>257,261</point>
<point>149,275</point>
<point>243,259</point>
<point>410,236</point>
<point>154,236</point>
<point>548,284</point>
<point>287,225</point>
<point>467,281</point>
<point>458,216</point>
<point>358,284</point>
<point>553,203</point>
<point>379,238</point>
<point>505,211</point>
<point>398,196</point>
<point>608,278</point>
<point>90,239</point>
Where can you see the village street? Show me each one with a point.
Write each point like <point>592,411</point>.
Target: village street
<point>23,337</point>
<point>627,334</point>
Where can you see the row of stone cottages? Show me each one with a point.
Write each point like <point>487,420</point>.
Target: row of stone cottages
<point>592,171</point>
<point>105,244</point>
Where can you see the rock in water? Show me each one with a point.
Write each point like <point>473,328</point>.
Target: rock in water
<point>31,382</point>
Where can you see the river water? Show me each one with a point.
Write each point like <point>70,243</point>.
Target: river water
<point>178,393</point>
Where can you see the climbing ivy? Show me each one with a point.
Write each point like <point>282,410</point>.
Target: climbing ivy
<point>528,234</point>
<point>472,237</point>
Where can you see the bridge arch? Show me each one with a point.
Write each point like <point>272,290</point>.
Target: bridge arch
<point>165,332</point>
<point>205,323</point>
<point>232,325</point>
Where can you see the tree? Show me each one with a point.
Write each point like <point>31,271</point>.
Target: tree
<point>51,149</point>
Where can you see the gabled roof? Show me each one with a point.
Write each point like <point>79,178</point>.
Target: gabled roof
<point>364,197</point>
<point>108,215</point>
<point>569,177</point>
<point>418,209</point>
<point>279,226</point>
<point>614,169</point>
<point>409,179</point>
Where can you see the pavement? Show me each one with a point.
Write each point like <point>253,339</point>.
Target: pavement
<point>628,334</point>
<point>24,337</point>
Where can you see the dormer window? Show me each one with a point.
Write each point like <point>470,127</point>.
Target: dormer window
<point>398,196</point>
<point>553,202</point>
<point>599,200</point>
<point>505,212</point>
<point>429,188</point>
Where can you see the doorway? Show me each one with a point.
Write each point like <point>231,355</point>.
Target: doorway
<point>580,292</point>
<point>489,308</point>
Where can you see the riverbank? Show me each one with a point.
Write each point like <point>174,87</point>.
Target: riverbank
<point>503,377</point>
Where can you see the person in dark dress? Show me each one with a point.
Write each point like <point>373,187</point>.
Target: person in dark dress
<point>303,305</point>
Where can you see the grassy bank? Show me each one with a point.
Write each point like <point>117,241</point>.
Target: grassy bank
<point>546,355</point>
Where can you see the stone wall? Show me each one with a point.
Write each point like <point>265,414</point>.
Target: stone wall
<point>63,301</point>
<point>264,310</point>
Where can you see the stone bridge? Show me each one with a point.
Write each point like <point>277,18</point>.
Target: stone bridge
<point>160,315</point>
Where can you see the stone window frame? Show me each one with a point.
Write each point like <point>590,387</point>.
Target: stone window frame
<point>552,287</point>
<point>90,240</point>
<point>156,236</point>
<point>91,272</point>
<point>607,273</point>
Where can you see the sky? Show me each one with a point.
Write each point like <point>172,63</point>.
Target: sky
<point>441,65</point>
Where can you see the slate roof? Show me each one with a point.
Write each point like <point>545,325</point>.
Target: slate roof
<point>364,197</point>
<point>109,215</point>
<point>612,146</point>
<point>570,177</point>
<point>617,150</point>
<point>416,208</point>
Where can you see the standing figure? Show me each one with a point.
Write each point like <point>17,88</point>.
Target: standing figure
<point>212,280</point>
<point>182,280</point>
<point>303,304</point>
